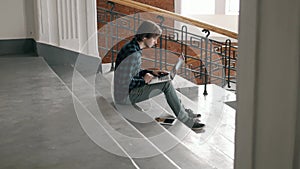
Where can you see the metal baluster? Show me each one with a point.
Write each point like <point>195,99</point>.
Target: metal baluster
<point>205,64</point>
<point>166,46</point>
<point>184,31</point>
<point>112,68</point>
<point>228,47</point>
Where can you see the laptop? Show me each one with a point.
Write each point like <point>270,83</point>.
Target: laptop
<point>168,76</point>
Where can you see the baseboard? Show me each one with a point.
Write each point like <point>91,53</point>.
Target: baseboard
<point>53,55</point>
<point>56,56</point>
<point>18,47</point>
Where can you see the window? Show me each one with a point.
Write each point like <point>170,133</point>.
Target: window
<point>196,7</point>
<point>232,7</point>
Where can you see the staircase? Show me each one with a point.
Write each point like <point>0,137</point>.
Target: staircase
<point>63,117</point>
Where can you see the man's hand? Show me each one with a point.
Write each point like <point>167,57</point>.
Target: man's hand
<point>148,77</point>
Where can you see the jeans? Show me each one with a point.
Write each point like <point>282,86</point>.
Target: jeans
<point>148,91</point>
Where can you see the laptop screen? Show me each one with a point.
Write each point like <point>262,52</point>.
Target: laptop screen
<point>176,67</point>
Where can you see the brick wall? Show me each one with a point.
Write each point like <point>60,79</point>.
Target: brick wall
<point>165,4</point>
<point>148,53</point>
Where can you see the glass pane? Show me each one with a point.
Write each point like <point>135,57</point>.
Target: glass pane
<point>232,7</point>
<point>194,7</point>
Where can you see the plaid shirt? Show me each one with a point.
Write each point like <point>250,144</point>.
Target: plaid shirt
<point>128,73</point>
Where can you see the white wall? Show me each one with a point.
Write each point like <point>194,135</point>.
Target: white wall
<point>69,24</point>
<point>267,130</point>
<point>216,17</point>
<point>228,22</point>
<point>16,18</point>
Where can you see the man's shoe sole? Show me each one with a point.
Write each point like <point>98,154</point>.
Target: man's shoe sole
<point>198,128</point>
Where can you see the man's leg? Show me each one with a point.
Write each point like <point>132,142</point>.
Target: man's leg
<point>149,91</point>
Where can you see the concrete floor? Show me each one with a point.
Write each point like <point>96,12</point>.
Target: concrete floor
<point>39,127</point>
<point>52,120</point>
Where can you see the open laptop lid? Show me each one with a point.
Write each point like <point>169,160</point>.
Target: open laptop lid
<point>176,67</point>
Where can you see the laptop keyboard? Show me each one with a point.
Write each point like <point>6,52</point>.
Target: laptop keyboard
<point>165,77</point>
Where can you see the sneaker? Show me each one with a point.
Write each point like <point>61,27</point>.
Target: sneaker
<point>197,125</point>
<point>194,124</point>
<point>191,114</point>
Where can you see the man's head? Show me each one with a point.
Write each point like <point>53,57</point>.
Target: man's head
<point>148,33</point>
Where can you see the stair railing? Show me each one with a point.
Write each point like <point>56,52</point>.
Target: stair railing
<point>213,61</point>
